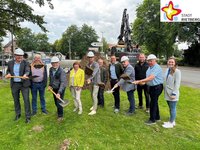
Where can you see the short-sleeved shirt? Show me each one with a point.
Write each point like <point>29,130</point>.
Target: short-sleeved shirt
<point>155,70</point>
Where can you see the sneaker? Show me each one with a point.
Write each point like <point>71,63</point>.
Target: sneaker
<point>75,109</point>
<point>79,112</point>
<point>130,113</point>
<point>91,108</point>
<point>116,110</point>
<point>93,112</point>
<point>168,125</point>
<point>140,107</point>
<point>149,122</point>
<point>33,113</point>
<point>158,120</point>
<point>60,119</point>
<point>45,112</point>
<point>147,110</point>
<point>174,123</point>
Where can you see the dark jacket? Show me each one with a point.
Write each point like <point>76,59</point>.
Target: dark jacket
<point>24,69</point>
<point>44,82</point>
<point>59,80</point>
<point>118,70</point>
<point>140,70</point>
<point>104,75</point>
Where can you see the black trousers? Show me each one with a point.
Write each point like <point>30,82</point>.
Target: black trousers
<point>100,96</point>
<point>140,88</point>
<point>116,93</point>
<point>155,92</point>
<point>16,88</point>
<point>57,101</point>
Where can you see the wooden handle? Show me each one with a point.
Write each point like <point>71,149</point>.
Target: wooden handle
<point>55,94</point>
<point>16,77</point>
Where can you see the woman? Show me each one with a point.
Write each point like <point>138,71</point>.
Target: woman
<point>77,78</point>
<point>173,80</point>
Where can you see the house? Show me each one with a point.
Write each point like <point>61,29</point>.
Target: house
<point>8,47</point>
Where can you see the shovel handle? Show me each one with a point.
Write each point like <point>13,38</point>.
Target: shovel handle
<point>55,95</point>
<point>17,77</point>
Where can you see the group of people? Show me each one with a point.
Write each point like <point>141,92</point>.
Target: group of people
<point>146,76</point>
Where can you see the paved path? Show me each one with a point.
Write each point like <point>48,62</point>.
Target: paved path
<point>190,76</point>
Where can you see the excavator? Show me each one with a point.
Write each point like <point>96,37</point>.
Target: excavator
<point>124,46</point>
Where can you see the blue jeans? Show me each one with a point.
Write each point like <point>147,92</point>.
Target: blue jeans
<point>35,88</point>
<point>172,109</point>
<point>131,101</point>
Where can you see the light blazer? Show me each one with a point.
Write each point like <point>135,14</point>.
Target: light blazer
<point>79,77</point>
<point>24,69</point>
<point>129,70</point>
<point>172,84</point>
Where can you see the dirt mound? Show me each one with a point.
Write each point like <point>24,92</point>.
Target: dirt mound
<point>84,62</point>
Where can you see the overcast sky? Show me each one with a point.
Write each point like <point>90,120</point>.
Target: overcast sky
<point>103,15</point>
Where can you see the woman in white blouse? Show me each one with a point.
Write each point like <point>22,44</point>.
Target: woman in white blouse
<point>173,80</point>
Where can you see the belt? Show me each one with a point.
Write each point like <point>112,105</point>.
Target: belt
<point>37,82</point>
<point>156,85</point>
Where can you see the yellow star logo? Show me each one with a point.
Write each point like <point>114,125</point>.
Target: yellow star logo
<point>171,11</point>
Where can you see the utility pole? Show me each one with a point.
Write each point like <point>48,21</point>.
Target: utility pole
<point>69,48</point>
<point>102,41</point>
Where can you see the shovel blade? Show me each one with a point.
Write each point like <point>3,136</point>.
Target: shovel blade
<point>64,103</point>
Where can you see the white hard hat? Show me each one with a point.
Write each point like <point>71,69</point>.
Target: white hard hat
<point>19,51</point>
<point>151,56</point>
<point>54,59</point>
<point>90,54</point>
<point>124,58</point>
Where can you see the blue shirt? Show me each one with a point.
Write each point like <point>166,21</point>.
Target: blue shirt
<point>155,70</point>
<point>112,72</point>
<point>16,72</point>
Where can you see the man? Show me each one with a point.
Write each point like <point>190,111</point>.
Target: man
<point>126,86</point>
<point>19,67</point>
<point>38,84</point>
<point>58,82</point>
<point>94,79</point>
<point>154,79</point>
<point>140,73</point>
<point>115,71</point>
<point>104,79</point>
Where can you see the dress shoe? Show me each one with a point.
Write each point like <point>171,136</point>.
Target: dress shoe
<point>28,120</point>
<point>17,117</point>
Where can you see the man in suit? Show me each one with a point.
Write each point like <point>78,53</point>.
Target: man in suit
<point>115,70</point>
<point>126,86</point>
<point>19,67</point>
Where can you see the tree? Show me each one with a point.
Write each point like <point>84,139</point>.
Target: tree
<point>13,12</point>
<point>26,39</point>
<point>79,39</point>
<point>29,41</point>
<point>156,36</point>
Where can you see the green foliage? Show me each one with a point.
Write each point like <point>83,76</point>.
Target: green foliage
<point>192,55</point>
<point>13,12</point>
<point>29,41</point>
<point>78,38</point>
<point>106,130</point>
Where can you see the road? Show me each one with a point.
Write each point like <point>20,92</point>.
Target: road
<point>190,76</point>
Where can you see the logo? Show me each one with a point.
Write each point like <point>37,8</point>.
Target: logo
<point>179,11</point>
<point>171,11</point>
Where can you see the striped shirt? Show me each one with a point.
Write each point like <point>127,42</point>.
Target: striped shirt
<point>155,70</point>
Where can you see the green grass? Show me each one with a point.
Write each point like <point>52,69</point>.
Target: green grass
<point>105,130</point>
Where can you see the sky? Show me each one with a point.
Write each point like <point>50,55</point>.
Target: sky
<point>103,15</point>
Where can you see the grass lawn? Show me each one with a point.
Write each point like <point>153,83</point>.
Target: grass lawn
<point>105,130</point>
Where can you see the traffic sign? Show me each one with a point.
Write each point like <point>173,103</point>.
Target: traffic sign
<point>97,44</point>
